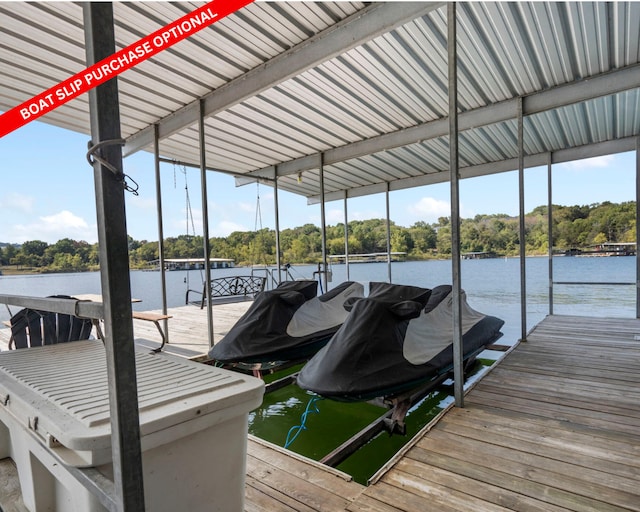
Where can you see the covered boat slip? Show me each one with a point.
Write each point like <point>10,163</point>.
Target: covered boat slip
<point>337,100</point>
<point>553,427</point>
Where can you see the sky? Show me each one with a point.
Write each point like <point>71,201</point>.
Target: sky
<point>47,193</point>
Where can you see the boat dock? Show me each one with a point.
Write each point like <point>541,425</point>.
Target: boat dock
<point>554,426</point>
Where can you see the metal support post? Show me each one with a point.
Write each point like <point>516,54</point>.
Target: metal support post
<point>523,237</point>
<point>114,265</point>
<point>324,225</point>
<point>458,372</point>
<point>550,228</point>
<point>205,221</point>
<point>163,277</point>
<point>637,223</point>
<point>346,236</point>
<point>277,221</point>
<point>386,195</point>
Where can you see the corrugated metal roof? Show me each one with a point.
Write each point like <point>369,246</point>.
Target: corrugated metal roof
<point>377,109</point>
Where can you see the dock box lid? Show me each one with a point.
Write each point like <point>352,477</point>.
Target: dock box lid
<point>60,393</point>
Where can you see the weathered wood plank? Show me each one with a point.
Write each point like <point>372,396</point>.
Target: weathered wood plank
<point>487,493</point>
<point>188,329</point>
<point>495,476</point>
<point>549,445</point>
<point>367,503</point>
<point>408,477</point>
<point>315,474</point>
<point>308,495</point>
<point>511,424</point>
<point>260,497</point>
<point>559,411</point>
<point>547,471</point>
<point>407,501</point>
<point>609,405</point>
<point>577,389</point>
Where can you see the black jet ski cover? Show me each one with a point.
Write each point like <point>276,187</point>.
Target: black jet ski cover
<point>384,347</point>
<point>285,324</point>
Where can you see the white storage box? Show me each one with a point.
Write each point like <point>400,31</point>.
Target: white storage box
<point>193,421</point>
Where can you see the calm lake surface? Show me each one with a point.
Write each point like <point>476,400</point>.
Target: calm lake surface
<point>492,287</point>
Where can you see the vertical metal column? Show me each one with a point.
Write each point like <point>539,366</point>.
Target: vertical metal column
<point>324,224</point>
<point>114,267</point>
<point>550,228</point>
<point>637,224</point>
<point>386,195</point>
<point>205,221</point>
<point>523,241</point>
<point>346,236</point>
<point>163,277</point>
<point>458,373</point>
<point>277,221</point>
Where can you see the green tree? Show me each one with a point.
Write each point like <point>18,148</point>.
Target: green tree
<point>9,253</point>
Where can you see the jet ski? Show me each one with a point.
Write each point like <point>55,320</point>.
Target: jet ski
<point>289,323</point>
<point>393,342</point>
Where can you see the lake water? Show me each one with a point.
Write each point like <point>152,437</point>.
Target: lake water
<point>492,287</point>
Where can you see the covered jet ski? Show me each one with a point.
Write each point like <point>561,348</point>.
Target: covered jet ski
<point>389,345</point>
<point>286,324</point>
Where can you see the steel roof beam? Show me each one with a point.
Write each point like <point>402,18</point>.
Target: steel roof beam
<point>366,24</point>
<point>539,159</point>
<point>556,97</point>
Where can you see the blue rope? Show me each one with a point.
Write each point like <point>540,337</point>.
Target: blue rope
<point>291,436</point>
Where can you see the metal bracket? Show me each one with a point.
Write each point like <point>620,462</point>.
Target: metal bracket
<point>93,155</point>
<point>94,148</point>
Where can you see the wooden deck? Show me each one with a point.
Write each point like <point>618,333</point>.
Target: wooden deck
<point>188,329</point>
<point>554,427</point>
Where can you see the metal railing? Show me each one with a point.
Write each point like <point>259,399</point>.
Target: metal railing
<point>74,307</point>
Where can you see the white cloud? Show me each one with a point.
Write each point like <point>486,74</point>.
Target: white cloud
<point>17,202</point>
<point>598,161</point>
<point>429,209</point>
<point>52,228</point>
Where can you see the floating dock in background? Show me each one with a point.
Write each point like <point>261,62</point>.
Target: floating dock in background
<point>554,426</point>
<point>373,257</point>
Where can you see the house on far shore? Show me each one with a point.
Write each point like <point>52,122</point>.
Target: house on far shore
<point>611,249</point>
<point>478,255</point>
<point>191,263</point>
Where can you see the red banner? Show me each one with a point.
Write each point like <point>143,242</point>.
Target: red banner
<point>117,63</point>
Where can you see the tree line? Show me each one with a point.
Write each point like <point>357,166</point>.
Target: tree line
<point>574,227</point>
